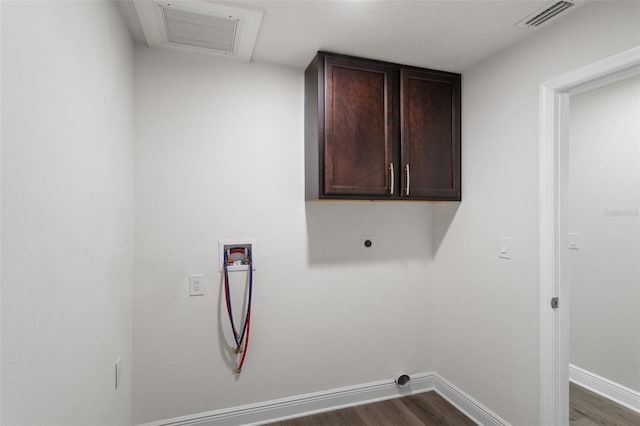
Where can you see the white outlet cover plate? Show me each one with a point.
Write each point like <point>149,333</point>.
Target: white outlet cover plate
<point>196,285</point>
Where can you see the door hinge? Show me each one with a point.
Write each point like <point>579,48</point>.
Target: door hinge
<point>554,302</point>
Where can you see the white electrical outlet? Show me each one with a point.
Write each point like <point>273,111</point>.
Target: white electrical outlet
<point>118,372</point>
<point>196,285</point>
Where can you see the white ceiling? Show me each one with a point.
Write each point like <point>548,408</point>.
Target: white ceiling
<point>449,35</point>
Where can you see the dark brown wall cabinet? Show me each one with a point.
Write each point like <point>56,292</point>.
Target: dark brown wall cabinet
<point>380,131</point>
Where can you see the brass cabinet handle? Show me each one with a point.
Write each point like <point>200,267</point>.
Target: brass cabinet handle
<point>406,169</point>
<point>392,182</point>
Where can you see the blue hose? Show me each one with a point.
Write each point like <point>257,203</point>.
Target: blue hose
<point>239,339</point>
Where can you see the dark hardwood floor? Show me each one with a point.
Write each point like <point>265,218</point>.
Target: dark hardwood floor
<point>590,409</point>
<point>427,408</point>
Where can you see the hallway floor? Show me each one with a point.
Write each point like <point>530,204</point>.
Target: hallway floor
<point>590,409</point>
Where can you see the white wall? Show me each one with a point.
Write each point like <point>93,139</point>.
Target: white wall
<point>219,155</point>
<point>487,308</point>
<point>604,193</point>
<point>67,213</point>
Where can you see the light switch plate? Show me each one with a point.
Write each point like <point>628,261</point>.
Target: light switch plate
<point>504,247</point>
<point>574,241</point>
<point>118,372</point>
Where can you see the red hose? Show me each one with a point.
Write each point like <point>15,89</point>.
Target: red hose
<point>246,343</point>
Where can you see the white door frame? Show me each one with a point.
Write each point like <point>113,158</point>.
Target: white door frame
<point>553,171</point>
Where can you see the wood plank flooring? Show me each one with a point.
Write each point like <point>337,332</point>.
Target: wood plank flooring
<point>423,409</point>
<point>590,409</point>
<point>429,408</point>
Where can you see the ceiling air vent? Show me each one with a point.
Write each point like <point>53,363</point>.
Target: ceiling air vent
<point>546,14</point>
<point>200,26</point>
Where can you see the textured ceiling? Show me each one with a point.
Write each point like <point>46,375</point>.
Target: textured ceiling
<point>449,35</point>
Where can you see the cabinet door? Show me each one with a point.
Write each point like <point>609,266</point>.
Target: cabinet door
<point>430,134</point>
<point>358,139</point>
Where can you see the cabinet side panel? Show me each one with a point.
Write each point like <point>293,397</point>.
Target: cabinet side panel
<point>311,130</point>
<point>456,141</point>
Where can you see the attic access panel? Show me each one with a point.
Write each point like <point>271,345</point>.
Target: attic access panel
<point>200,26</point>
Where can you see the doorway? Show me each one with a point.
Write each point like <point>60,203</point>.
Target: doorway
<point>603,254</point>
<point>554,300</point>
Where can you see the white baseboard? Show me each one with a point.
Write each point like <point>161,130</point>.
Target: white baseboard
<point>318,402</point>
<point>466,404</point>
<point>611,390</point>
